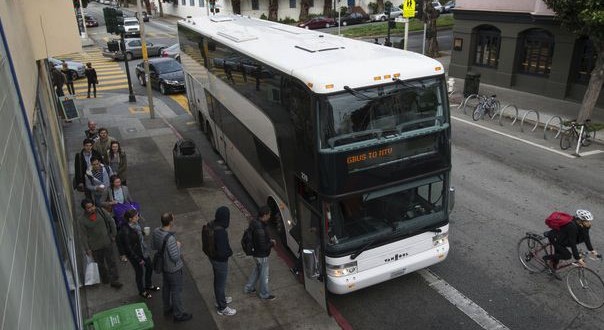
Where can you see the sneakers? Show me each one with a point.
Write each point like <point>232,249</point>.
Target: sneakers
<point>184,317</point>
<point>227,311</point>
<point>227,299</point>
<point>270,298</point>
<point>294,271</point>
<point>249,292</point>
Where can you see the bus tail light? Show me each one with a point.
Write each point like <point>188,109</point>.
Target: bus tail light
<point>342,270</point>
<point>440,239</point>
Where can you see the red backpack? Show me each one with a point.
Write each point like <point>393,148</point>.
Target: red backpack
<point>558,219</point>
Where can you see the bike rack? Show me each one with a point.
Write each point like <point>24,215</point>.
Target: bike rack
<point>462,106</point>
<point>524,117</point>
<point>560,121</point>
<point>503,110</point>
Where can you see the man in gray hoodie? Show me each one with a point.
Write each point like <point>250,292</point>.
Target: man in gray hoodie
<point>172,269</point>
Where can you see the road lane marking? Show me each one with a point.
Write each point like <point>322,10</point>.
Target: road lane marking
<point>589,153</point>
<point>515,138</point>
<point>463,303</point>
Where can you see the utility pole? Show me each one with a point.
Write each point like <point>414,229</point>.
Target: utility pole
<point>131,97</point>
<point>83,20</point>
<point>145,60</point>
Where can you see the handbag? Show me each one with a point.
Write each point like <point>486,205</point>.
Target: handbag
<point>92,275</point>
<point>158,258</point>
<point>120,208</point>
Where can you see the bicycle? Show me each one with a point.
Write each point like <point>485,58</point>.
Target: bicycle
<point>571,135</point>
<point>584,285</point>
<point>486,105</point>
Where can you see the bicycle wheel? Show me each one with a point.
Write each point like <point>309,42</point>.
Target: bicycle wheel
<point>586,287</point>
<point>478,112</point>
<point>568,138</point>
<point>588,137</point>
<point>495,106</point>
<point>530,253</point>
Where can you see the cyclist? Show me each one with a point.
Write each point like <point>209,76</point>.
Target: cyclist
<point>569,235</point>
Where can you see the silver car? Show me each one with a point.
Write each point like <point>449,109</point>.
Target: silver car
<point>383,17</point>
<point>172,51</point>
<point>76,69</point>
<point>134,49</point>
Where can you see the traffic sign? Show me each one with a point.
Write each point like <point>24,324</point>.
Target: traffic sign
<point>408,8</point>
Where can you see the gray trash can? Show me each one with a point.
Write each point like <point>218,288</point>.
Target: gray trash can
<point>188,171</point>
<point>471,84</point>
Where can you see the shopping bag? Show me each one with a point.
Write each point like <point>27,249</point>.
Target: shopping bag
<point>120,208</point>
<point>92,275</point>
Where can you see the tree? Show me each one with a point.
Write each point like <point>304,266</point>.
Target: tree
<point>585,18</point>
<point>161,8</point>
<point>273,10</point>
<point>429,17</point>
<point>304,5</point>
<point>380,6</point>
<point>327,10</point>
<point>236,4</point>
<point>76,3</point>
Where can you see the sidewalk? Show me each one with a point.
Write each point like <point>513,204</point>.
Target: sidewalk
<point>148,144</point>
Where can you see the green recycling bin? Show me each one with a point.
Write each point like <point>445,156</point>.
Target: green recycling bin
<point>128,317</point>
<point>471,84</point>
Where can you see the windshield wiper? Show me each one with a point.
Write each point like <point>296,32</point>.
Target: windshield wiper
<point>358,94</point>
<point>332,141</point>
<point>400,127</point>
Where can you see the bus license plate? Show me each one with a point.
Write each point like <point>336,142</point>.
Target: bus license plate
<point>397,273</point>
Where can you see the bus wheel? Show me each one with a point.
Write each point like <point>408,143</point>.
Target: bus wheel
<point>277,221</point>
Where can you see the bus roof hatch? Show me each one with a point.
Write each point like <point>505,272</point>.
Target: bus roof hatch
<point>313,46</point>
<point>237,35</point>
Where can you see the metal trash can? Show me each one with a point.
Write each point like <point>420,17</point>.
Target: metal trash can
<point>471,84</point>
<point>128,317</point>
<point>188,171</point>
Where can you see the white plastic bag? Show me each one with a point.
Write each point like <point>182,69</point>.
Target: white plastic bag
<point>92,276</point>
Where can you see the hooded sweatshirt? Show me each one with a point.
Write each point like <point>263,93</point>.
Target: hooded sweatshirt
<point>221,237</point>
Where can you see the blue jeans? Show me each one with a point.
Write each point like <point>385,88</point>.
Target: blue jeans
<point>221,269</point>
<point>172,292</point>
<point>259,274</point>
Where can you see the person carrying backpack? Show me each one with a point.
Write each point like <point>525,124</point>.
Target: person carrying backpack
<point>220,260</point>
<point>568,236</point>
<point>262,249</point>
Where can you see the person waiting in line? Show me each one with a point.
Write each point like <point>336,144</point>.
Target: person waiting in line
<point>81,165</point>
<point>262,249</point>
<point>68,79</point>
<point>116,159</point>
<point>116,193</point>
<point>92,133</point>
<point>103,143</point>
<point>91,78</point>
<point>220,262</point>
<point>97,179</point>
<point>132,242</point>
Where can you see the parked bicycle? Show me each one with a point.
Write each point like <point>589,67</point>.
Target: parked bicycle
<point>573,135</point>
<point>584,285</point>
<point>486,105</point>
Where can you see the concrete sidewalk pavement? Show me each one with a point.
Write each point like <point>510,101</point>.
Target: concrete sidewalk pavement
<point>148,144</point>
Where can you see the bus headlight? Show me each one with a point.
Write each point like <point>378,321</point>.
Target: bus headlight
<point>342,270</point>
<point>440,239</point>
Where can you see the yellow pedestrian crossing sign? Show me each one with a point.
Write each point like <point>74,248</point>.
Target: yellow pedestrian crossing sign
<point>408,8</point>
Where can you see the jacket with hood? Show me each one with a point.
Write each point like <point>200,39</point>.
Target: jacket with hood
<point>262,240</point>
<point>221,236</point>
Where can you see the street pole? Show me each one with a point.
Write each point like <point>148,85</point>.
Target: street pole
<point>406,32</point>
<point>131,97</point>
<point>424,40</point>
<point>83,20</point>
<point>339,18</point>
<point>207,7</point>
<point>145,60</point>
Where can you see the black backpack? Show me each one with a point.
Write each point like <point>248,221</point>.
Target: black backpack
<point>208,243</point>
<point>247,241</point>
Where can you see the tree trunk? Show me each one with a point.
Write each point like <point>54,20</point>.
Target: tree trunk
<point>429,17</point>
<point>380,6</point>
<point>161,8</point>
<point>273,10</point>
<point>147,5</point>
<point>595,84</point>
<point>304,5</point>
<point>236,6</point>
<point>327,8</point>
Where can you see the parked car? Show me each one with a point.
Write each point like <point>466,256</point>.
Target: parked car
<point>449,6</point>
<point>76,69</point>
<point>165,74</point>
<point>132,27</point>
<point>439,8</point>
<point>172,51</point>
<point>90,21</point>
<point>145,16</point>
<point>318,23</point>
<point>134,49</point>
<point>383,17</point>
<point>354,18</point>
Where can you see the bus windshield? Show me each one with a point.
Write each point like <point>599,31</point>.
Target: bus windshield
<point>384,215</point>
<point>382,111</point>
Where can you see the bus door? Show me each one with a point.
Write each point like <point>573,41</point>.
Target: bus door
<point>311,251</point>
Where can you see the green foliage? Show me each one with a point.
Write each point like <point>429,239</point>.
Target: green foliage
<point>343,10</point>
<point>373,6</point>
<point>585,17</point>
<point>263,16</point>
<point>380,29</point>
<point>287,20</point>
<point>388,4</point>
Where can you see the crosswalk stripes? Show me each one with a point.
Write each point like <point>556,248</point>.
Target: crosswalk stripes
<point>109,73</point>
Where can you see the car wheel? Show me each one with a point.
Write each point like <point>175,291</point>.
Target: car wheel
<point>327,25</point>
<point>383,19</point>
<point>141,80</point>
<point>177,58</point>
<point>129,56</point>
<point>162,89</point>
<point>306,27</point>
<point>344,23</point>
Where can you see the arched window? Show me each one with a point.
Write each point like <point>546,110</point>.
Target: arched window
<point>584,60</point>
<point>537,50</point>
<point>488,41</point>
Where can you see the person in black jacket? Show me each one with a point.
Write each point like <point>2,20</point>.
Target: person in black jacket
<point>81,164</point>
<point>569,235</point>
<point>220,262</point>
<point>132,244</point>
<point>262,249</point>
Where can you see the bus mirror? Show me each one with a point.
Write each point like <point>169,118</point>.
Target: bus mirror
<point>310,263</point>
<point>451,198</point>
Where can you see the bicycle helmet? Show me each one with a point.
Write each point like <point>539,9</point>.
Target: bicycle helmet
<point>584,215</point>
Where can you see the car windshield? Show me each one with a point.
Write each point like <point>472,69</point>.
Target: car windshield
<point>167,66</point>
<point>381,215</point>
<point>130,23</point>
<point>173,48</point>
<point>393,110</point>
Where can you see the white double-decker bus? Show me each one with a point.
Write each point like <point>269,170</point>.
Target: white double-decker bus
<point>347,141</point>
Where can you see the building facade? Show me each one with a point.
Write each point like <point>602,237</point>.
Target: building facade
<point>37,256</point>
<point>519,45</point>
